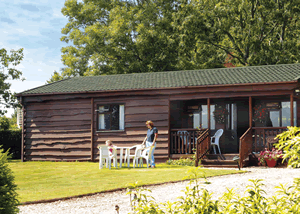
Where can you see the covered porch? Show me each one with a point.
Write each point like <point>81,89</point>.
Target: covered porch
<point>249,124</point>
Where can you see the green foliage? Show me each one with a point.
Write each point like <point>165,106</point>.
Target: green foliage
<point>11,140</point>
<point>125,36</point>
<point>4,123</point>
<point>7,123</point>
<point>8,194</point>
<point>289,143</point>
<point>8,71</point>
<point>250,32</point>
<point>199,200</point>
<point>118,37</point>
<point>181,162</point>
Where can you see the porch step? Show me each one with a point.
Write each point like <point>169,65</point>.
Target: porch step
<point>218,162</point>
<point>220,157</point>
<point>220,166</point>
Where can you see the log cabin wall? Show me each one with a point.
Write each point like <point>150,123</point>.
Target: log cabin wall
<point>138,110</point>
<point>58,130</point>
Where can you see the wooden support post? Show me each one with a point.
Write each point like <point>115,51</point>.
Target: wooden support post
<point>208,113</point>
<point>250,112</point>
<point>292,109</point>
<point>169,131</point>
<point>23,136</point>
<point>92,129</point>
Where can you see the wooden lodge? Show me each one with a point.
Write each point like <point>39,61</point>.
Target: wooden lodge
<point>67,120</point>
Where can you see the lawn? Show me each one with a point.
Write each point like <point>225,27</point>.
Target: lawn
<point>48,180</point>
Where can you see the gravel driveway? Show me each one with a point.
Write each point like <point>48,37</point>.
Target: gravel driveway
<point>105,202</point>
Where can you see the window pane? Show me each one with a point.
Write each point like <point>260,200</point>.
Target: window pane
<point>196,120</point>
<point>204,115</point>
<point>233,116</point>
<point>212,119</point>
<point>286,114</point>
<point>275,119</point>
<point>107,118</point>
<point>115,117</point>
<point>121,122</point>
<point>101,124</point>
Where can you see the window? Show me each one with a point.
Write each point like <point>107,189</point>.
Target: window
<point>111,117</point>
<point>281,117</point>
<point>200,117</point>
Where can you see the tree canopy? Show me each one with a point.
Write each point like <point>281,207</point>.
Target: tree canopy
<point>8,62</point>
<point>127,36</point>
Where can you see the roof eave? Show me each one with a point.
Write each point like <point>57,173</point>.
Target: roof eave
<point>165,88</point>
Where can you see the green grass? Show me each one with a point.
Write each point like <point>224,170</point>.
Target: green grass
<point>48,180</point>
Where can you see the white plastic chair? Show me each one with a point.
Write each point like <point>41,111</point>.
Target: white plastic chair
<point>137,159</point>
<point>136,147</point>
<point>214,140</point>
<point>184,139</point>
<point>146,154</point>
<point>105,154</point>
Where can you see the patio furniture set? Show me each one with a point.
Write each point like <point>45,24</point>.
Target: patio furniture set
<point>140,153</point>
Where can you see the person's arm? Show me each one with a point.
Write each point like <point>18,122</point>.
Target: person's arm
<point>155,137</point>
<point>144,140</point>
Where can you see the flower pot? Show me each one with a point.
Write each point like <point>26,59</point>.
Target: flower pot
<point>271,163</point>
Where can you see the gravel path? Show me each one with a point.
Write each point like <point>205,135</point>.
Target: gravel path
<point>105,202</point>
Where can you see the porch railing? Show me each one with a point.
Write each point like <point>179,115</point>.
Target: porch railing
<point>264,136</point>
<point>256,139</point>
<point>245,146</point>
<point>203,145</point>
<point>183,141</point>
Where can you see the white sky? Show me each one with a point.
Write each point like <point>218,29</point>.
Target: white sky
<point>36,27</point>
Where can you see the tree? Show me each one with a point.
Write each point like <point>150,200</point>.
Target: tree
<point>252,32</point>
<point>119,36</point>
<point>8,71</point>
<point>4,123</point>
<point>8,195</point>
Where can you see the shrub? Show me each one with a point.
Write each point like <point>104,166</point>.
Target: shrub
<point>181,162</point>
<point>199,200</point>
<point>8,194</point>
<point>289,143</point>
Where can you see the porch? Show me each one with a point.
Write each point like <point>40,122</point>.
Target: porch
<point>246,131</point>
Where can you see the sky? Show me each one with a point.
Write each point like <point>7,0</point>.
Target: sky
<point>36,27</point>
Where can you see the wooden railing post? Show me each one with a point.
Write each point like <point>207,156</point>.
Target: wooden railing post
<point>208,113</point>
<point>250,112</point>
<point>292,109</point>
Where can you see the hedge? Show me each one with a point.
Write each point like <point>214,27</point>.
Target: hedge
<point>11,140</point>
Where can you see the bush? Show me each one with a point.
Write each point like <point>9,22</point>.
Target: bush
<point>289,143</point>
<point>199,200</point>
<point>11,140</point>
<point>4,123</point>
<point>8,194</point>
<point>181,162</point>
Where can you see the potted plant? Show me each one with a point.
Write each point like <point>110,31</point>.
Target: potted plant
<point>270,157</point>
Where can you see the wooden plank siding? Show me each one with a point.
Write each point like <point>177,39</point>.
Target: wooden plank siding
<point>137,111</point>
<point>64,127</point>
<point>58,130</point>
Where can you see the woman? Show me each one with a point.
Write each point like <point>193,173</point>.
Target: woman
<point>150,139</point>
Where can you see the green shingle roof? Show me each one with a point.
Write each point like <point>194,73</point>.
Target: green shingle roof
<point>155,80</point>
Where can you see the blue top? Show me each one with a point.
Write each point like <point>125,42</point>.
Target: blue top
<point>151,133</point>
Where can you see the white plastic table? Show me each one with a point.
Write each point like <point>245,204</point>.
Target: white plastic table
<point>121,154</point>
